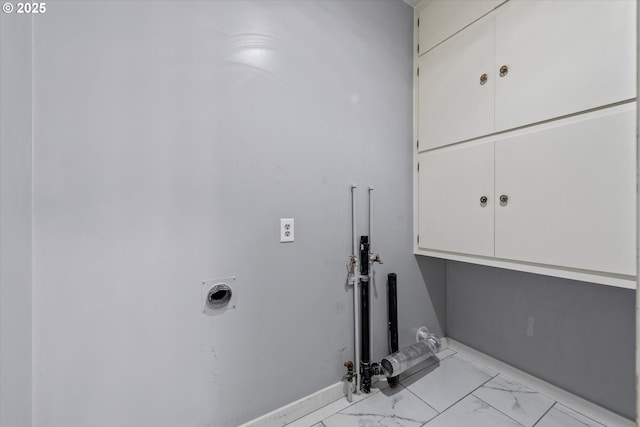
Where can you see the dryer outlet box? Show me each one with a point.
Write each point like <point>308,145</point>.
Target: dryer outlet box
<point>218,295</point>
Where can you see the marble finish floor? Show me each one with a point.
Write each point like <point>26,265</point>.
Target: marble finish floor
<point>451,390</point>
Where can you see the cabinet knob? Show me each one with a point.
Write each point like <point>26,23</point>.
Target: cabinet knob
<point>483,79</point>
<point>504,199</point>
<point>483,200</point>
<point>504,70</point>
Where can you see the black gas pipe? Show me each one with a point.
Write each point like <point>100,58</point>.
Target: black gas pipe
<point>365,367</point>
<point>392,303</point>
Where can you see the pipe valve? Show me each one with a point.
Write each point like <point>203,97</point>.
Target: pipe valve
<point>352,261</point>
<point>349,365</point>
<point>377,259</point>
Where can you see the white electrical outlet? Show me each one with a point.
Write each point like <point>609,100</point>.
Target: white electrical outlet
<point>286,230</point>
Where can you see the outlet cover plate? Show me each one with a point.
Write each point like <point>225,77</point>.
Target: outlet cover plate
<point>286,230</point>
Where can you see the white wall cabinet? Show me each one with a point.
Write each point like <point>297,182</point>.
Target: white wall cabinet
<point>453,105</point>
<point>452,182</point>
<point>571,194</point>
<point>541,59</point>
<point>569,188</point>
<point>555,135</point>
<point>562,57</point>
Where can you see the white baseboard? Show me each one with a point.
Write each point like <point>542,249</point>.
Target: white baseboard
<point>300,407</point>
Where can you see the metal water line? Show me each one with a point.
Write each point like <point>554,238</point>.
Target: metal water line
<point>638,227</point>
<point>355,271</point>
<point>370,261</point>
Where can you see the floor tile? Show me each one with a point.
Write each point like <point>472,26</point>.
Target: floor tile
<point>561,416</point>
<point>472,412</point>
<point>443,385</point>
<point>515,400</point>
<point>397,407</point>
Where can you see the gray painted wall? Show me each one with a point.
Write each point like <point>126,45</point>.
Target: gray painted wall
<point>169,139</point>
<point>581,336</point>
<point>15,220</point>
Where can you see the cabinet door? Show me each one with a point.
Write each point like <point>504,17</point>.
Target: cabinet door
<point>451,182</point>
<point>563,56</point>
<point>571,190</point>
<point>452,103</point>
<point>441,19</point>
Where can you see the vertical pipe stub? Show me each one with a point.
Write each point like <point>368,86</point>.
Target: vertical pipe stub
<point>392,320</point>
